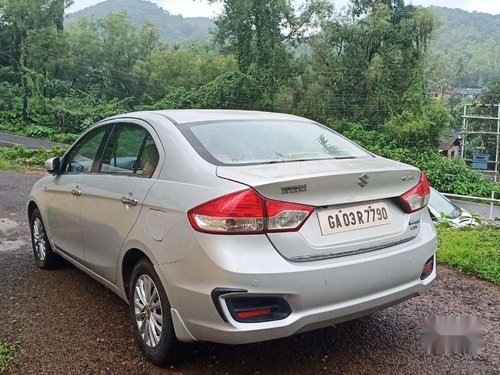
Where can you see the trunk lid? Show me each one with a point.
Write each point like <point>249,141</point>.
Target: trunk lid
<point>334,186</point>
<point>326,182</point>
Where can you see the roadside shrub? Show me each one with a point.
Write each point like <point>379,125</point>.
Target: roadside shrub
<point>40,131</point>
<point>445,175</point>
<point>66,138</point>
<point>175,99</point>
<point>420,130</point>
<point>233,90</point>
<point>24,157</point>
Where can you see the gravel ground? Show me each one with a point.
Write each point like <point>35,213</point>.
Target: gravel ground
<point>66,323</point>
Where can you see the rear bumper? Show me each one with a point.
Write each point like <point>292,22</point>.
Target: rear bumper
<point>320,293</point>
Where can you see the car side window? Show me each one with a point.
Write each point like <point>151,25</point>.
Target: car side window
<point>81,157</point>
<point>130,151</point>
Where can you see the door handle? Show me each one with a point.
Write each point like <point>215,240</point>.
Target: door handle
<point>76,191</point>
<point>130,200</point>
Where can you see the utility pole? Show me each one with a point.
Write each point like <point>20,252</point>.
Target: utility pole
<point>468,128</point>
<point>497,159</point>
<point>464,130</point>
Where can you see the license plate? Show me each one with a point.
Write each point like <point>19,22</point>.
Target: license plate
<point>352,218</point>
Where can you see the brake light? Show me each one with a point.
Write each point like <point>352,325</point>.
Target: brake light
<point>418,197</point>
<point>246,212</point>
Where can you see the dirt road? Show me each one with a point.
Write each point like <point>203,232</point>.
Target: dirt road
<point>66,323</point>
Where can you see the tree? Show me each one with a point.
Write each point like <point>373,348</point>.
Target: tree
<point>461,69</point>
<point>371,65</point>
<point>233,90</point>
<point>492,94</point>
<point>260,34</point>
<point>422,130</point>
<point>20,19</point>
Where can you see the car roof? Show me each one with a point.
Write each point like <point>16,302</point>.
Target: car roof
<point>184,116</point>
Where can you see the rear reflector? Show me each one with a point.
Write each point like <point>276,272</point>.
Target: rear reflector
<point>418,197</point>
<point>255,309</point>
<point>253,313</point>
<point>246,212</point>
<point>428,268</point>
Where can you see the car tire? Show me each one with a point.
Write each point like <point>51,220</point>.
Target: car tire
<point>149,310</point>
<point>45,257</point>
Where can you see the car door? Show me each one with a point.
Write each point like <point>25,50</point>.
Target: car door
<point>63,209</point>
<point>113,196</point>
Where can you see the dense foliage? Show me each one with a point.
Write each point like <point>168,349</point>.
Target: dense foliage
<point>365,65</point>
<point>445,175</point>
<point>465,50</point>
<point>172,28</point>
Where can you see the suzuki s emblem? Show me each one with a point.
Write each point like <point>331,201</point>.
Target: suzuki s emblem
<point>363,180</point>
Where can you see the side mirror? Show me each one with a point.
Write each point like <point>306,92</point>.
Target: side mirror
<point>53,165</point>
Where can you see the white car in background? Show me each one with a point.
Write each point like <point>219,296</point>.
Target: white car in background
<point>443,210</point>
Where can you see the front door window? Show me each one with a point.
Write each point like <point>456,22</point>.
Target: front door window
<point>81,157</point>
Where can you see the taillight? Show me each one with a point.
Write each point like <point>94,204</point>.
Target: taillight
<point>418,197</point>
<point>246,212</point>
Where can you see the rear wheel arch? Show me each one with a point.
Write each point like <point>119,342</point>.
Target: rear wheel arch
<point>130,260</point>
<point>31,207</point>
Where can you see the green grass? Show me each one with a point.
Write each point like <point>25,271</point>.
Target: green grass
<point>6,165</point>
<point>472,250</point>
<point>8,353</point>
<point>21,158</point>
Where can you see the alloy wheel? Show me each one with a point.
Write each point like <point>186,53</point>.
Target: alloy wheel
<point>148,311</point>
<point>39,239</point>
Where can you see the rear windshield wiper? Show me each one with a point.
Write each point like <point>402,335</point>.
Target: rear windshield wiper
<point>299,160</point>
<point>457,212</point>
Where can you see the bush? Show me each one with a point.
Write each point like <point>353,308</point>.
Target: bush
<point>39,131</point>
<point>19,156</point>
<point>175,99</point>
<point>445,175</point>
<point>420,130</point>
<point>66,138</point>
<point>233,90</point>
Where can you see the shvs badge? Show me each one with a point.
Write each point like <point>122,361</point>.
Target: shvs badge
<point>453,335</point>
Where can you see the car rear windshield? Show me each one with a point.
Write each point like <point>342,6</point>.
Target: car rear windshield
<point>268,142</point>
<point>443,206</point>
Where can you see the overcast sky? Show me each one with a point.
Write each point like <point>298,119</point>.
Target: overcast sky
<point>201,8</point>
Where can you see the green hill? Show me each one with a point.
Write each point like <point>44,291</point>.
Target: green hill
<point>468,44</point>
<point>175,29</point>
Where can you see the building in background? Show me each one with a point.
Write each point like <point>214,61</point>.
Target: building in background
<point>451,148</point>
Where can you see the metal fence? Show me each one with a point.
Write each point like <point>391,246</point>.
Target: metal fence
<point>492,200</point>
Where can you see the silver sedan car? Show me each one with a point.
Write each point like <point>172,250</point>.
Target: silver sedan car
<point>234,226</point>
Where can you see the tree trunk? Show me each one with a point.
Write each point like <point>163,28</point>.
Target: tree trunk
<point>24,79</point>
